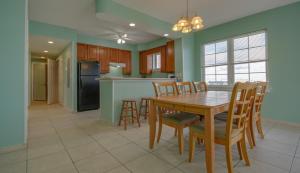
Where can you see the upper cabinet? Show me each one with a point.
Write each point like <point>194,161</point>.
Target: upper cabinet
<point>82,51</point>
<point>104,59</point>
<point>145,63</point>
<point>114,55</point>
<point>125,58</point>
<point>167,59</point>
<point>93,53</point>
<point>104,55</point>
<point>170,57</point>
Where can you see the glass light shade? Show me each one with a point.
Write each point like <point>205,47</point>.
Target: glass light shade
<point>123,41</point>
<point>196,20</point>
<point>176,27</point>
<point>183,22</point>
<point>198,26</point>
<point>186,29</point>
<point>119,41</point>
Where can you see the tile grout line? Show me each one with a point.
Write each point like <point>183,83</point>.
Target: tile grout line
<point>65,148</point>
<point>294,155</point>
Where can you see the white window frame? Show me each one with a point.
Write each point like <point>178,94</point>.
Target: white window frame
<point>154,62</point>
<point>230,59</point>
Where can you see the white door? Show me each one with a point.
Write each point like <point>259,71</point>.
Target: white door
<point>39,82</point>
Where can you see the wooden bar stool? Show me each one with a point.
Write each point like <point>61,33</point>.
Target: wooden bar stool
<point>129,110</point>
<point>144,107</point>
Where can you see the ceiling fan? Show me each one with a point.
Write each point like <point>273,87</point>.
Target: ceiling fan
<point>121,38</point>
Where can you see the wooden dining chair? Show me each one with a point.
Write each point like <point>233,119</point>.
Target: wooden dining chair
<point>184,88</point>
<point>200,86</point>
<point>229,133</point>
<point>260,95</point>
<point>171,118</point>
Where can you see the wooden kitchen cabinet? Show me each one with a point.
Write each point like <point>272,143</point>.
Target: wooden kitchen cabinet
<point>114,55</point>
<point>125,57</point>
<point>93,53</point>
<point>82,52</point>
<point>163,60</point>
<point>170,57</point>
<point>104,59</point>
<point>145,63</point>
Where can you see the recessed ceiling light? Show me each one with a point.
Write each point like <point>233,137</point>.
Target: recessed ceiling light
<point>50,42</point>
<point>166,35</point>
<point>132,24</point>
<point>45,51</point>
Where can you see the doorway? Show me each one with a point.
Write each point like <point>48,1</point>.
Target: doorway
<point>39,81</point>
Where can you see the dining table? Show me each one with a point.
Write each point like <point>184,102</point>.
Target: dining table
<point>206,104</point>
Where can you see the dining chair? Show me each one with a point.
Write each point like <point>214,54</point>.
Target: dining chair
<point>171,118</point>
<point>200,86</point>
<point>261,92</point>
<point>229,133</point>
<point>184,88</point>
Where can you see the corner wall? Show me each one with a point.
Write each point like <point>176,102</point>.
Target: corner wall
<point>13,74</point>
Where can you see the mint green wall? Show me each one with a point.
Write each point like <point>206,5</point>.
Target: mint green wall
<point>188,58</point>
<point>283,26</point>
<point>12,72</point>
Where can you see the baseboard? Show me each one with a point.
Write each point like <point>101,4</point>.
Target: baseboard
<point>12,148</point>
<point>282,122</point>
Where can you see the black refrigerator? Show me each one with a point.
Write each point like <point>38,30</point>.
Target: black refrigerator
<point>88,88</point>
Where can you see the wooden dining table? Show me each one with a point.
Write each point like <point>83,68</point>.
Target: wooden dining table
<point>208,104</point>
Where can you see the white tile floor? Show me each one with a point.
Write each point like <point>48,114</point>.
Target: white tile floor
<point>63,142</point>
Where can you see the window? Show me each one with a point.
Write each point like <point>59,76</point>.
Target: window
<point>216,68</point>
<point>156,61</point>
<point>250,58</point>
<point>242,58</point>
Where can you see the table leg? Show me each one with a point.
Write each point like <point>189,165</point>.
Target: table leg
<point>209,142</point>
<point>152,124</point>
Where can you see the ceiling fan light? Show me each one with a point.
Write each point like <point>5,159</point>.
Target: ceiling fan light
<point>125,35</point>
<point>123,41</point>
<point>119,41</point>
<point>176,27</point>
<point>198,26</point>
<point>196,20</point>
<point>183,22</point>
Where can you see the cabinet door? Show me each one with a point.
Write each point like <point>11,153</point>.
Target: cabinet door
<point>114,55</point>
<point>104,59</point>
<point>145,63</point>
<point>82,51</point>
<point>170,58</point>
<point>93,53</point>
<point>163,59</point>
<point>127,60</point>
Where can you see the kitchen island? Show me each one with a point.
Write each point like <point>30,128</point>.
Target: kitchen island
<point>113,90</point>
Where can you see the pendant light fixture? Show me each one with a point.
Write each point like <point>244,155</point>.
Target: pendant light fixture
<point>186,24</point>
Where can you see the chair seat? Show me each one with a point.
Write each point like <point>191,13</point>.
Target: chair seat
<point>222,116</point>
<point>220,129</point>
<point>180,118</point>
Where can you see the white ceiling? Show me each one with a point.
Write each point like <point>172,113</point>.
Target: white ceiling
<point>214,12</point>
<point>37,45</point>
<point>81,16</point>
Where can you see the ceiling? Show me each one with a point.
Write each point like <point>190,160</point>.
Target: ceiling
<point>214,12</point>
<point>81,14</point>
<point>37,45</point>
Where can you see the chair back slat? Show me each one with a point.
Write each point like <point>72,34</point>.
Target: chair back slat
<point>200,86</point>
<point>260,95</point>
<point>241,103</point>
<point>164,88</point>
<point>184,88</point>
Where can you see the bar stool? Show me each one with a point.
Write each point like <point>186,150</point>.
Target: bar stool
<point>144,107</point>
<point>129,109</point>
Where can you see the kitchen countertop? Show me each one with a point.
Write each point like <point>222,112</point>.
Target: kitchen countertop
<point>120,78</point>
